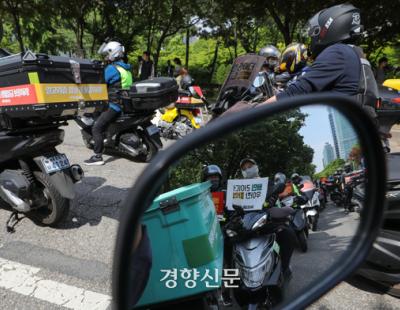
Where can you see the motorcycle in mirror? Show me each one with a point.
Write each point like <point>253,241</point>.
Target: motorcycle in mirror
<point>247,256</point>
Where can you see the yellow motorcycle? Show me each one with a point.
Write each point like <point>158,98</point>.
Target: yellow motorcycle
<point>184,116</point>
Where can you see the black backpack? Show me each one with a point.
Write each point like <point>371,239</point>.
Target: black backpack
<point>368,93</point>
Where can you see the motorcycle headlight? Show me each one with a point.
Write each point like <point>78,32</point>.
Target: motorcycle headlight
<point>231,233</point>
<point>260,222</point>
<point>254,277</point>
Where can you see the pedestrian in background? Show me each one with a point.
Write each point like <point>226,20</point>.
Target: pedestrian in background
<point>170,69</point>
<point>146,68</point>
<point>178,66</point>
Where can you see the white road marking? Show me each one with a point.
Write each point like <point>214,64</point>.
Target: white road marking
<point>22,279</point>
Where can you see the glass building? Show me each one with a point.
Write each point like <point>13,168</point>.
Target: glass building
<point>344,136</point>
<point>328,154</point>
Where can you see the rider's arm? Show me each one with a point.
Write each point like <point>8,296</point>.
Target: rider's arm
<point>111,75</point>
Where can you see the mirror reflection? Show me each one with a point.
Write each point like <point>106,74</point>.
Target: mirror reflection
<point>253,218</point>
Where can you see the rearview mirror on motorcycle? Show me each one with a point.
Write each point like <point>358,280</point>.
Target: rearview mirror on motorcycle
<point>185,210</point>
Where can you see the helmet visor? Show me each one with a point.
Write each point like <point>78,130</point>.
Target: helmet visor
<point>101,50</point>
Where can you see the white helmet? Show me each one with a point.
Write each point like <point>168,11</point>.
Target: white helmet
<point>112,50</point>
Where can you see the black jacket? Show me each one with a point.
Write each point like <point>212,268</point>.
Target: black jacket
<point>336,69</point>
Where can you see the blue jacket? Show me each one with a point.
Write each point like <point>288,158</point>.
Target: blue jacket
<point>112,77</point>
<point>336,69</point>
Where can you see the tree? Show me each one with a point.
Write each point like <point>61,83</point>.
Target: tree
<point>330,169</point>
<point>274,143</point>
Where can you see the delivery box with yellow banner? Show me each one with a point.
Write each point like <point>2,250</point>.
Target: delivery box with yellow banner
<point>39,88</point>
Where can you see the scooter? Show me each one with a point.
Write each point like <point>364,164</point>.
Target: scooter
<point>298,221</point>
<point>132,135</point>
<point>184,116</point>
<point>256,254</point>
<point>312,207</point>
<point>35,179</point>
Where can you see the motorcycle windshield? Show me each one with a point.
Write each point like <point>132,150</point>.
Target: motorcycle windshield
<point>309,194</point>
<point>244,70</point>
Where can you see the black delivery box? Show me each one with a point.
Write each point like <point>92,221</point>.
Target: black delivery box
<point>40,88</point>
<point>150,94</point>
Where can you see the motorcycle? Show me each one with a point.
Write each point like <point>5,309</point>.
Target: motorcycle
<point>35,179</point>
<point>298,221</point>
<point>382,265</point>
<point>256,254</point>
<point>184,116</point>
<point>312,207</point>
<point>133,133</point>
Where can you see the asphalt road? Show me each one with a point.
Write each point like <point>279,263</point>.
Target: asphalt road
<point>70,267</point>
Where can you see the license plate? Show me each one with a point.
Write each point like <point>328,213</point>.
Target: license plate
<point>152,130</point>
<point>55,163</point>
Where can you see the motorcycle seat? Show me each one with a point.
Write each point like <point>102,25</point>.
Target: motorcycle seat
<point>280,213</point>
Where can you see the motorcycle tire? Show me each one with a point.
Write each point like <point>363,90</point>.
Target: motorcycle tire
<point>302,239</point>
<point>187,122</point>
<point>151,150</point>
<point>86,140</point>
<point>57,208</point>
<point>314,225</point>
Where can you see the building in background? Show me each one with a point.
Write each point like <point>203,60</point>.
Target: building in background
<point>328,154</point>
<point>334,136</point>
<point>344,136</point>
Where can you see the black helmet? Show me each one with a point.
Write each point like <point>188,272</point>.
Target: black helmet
<point>280,178</point>
<point>339,23</point>
<point>295,178</point>
<point>211,170</point>
<point>186,82</point>
<point>347,168</point>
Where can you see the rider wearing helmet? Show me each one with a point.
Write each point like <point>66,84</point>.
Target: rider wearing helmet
<point>294,60</point>
<point>249,168</point>
<point>213,174</point>
<point>285,236</point>
<point>272,55</point>
<point>118,76</point>
<point>338,67</point>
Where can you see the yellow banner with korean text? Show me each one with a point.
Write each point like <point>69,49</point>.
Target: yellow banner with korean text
<point>57,93</point>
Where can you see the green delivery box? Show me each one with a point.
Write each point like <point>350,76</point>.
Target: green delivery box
<point>186,242</point>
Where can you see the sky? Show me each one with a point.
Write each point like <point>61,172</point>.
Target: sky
<point>317,132</point>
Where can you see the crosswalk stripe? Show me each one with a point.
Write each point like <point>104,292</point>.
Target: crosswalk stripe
<point>23,279</point>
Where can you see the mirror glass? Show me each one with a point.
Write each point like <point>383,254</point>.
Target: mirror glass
<point>257,216</point>
<point>258,81</point>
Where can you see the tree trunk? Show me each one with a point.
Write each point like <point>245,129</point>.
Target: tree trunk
<point>214,61</point>
<point>158,50</point>
<point>18,30</point>
<point>187,48</point>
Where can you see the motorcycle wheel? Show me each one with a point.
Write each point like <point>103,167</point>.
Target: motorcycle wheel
<point>314,225</point>
<point>86,140</point>
<point>184,120</point>
<point>151,150</point>
<point>57,207</point>
<point>302,239</point>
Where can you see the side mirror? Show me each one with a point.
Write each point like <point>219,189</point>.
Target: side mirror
<point>182,228</point>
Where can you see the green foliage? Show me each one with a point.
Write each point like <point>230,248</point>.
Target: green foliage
<point>274,143</point>
<point>78,27</point>
<point>330,169</point>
